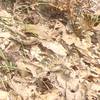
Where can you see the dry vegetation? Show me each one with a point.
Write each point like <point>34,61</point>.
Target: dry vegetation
<point>49,50</point>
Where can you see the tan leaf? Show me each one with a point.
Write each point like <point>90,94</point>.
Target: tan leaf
<point>35,51</point>
<point>4,95</point>
<point>69,39</point>
<point>55,47</point>
<point>37,30</point>
<point>4,13</point>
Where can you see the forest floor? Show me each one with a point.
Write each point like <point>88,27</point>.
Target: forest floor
<point>49,50</point>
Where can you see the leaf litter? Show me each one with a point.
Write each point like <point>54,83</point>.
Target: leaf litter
<point>50,50</point>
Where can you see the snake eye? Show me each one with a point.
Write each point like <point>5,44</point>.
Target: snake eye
<point>97,23</point>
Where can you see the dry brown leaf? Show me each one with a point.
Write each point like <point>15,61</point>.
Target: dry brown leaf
<point>95,69</point>
<point>39,30</point>
<point>35,51</point>
<point>26,68</point>
<point>53,95</point>
<point>55,47</point>
<point>12,47</point>
<point>4,95</point>
<point>96,87</point>
<point>20,89</point>
<point>70,38</point>
<point>5,35</point>
<point>4,13</point>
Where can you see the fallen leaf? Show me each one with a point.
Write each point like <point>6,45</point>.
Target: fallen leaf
<point>55,47</point>
<point>4,95</point>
